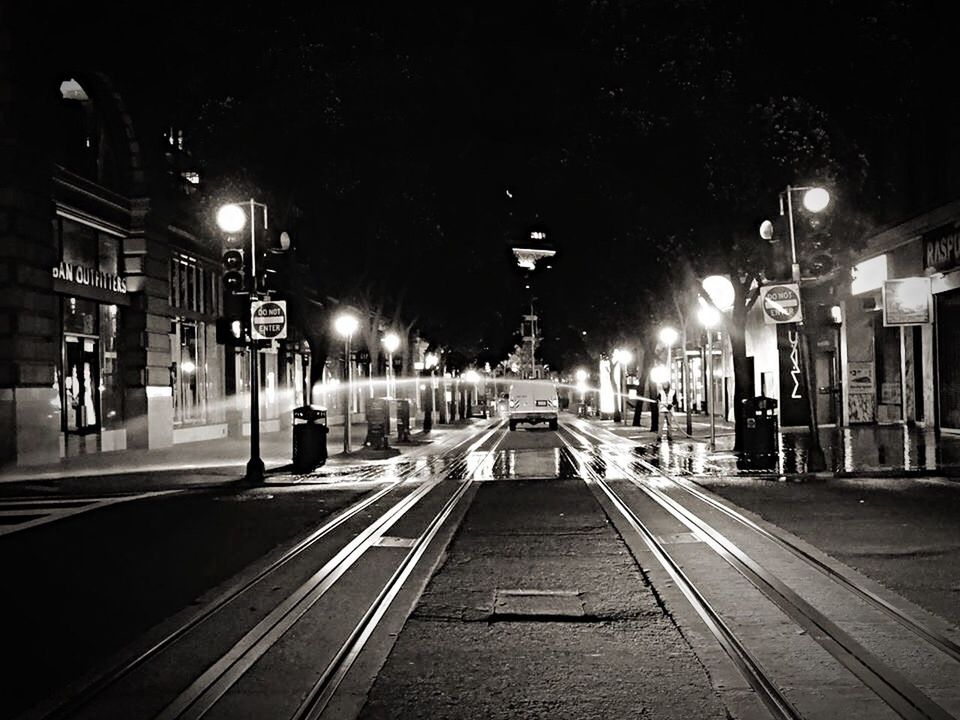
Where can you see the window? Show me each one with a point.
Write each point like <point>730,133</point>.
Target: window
<point>193,287</point>
<point>88,247</point>
<point>188,370</point>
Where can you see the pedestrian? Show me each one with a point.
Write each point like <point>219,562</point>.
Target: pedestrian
<point>666,402</point>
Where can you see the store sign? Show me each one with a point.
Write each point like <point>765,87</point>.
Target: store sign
<point>941,248</point>
<point>781,303</point>
<point>268,319</point>
<point>794,410</point>
<point>907,301</point>
<point>82,275</point>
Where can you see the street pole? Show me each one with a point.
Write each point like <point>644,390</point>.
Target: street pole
<point>709,364</point>
<point>687,390</point>
<point>815,459</point>
<point>255,466</point>
<point>390,388</point>
<point>346,415</point>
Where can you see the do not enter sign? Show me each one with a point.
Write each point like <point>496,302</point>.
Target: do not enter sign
<point>268,319</point>
<point>781,303</point>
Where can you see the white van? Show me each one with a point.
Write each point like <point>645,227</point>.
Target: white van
<point>534,402</point>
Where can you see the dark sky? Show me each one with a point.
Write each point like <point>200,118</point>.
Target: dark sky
<point>396,131</point>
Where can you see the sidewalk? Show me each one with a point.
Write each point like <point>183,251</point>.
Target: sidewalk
<point>208,462</point>
<point>860,450</point>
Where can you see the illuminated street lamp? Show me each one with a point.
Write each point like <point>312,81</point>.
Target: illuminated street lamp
<point>621,358</point>
<point>231,218</point>
<point>709,318</point>
<point>391,341</point>
<point>346,325</point>
<point>669,336</point>
<point>659,374</point>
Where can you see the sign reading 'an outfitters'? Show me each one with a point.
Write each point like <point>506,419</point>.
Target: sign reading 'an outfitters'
<point>82,275</point>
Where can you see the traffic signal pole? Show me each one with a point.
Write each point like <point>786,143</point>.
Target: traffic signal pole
<point>816,462</point>
<point>255,466</point>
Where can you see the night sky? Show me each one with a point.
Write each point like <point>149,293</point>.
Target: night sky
<point>648,138</point>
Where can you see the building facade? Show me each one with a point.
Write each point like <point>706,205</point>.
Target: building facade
<point>111,284</point>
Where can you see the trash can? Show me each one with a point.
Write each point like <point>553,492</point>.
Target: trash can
<point>309,437</point>
<point>760,451</point>
<point>378,424</point>
<point>403,421</point>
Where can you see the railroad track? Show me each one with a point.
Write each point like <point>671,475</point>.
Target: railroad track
<point>108,695</point>
<point>899,692</point>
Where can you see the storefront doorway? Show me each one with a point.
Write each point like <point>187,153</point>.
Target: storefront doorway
<point>827,387</point>
<point>81,385</point>
<point>948,358</point>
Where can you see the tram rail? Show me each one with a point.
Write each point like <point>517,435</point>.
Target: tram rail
<point>903,696</point>
<point>213,685</point>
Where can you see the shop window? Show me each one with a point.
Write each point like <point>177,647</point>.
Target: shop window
<point>188,371</point>
<point>111,382</point>
<point>79,316</point>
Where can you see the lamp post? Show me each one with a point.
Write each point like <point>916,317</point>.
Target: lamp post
<point>815,199</point>
<point>621,358</point>
<point>473,378</point>
<point>582,377</point>
<point>709,318</point>
<point>346,325</point>
<point>391,341</point>
<point>232,218</point>
<point>429,362</point>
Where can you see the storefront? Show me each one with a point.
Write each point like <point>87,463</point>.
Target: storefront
<point>941,259</point>
<point>92,295</point>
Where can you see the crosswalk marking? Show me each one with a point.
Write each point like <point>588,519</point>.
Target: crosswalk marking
<point>20,513</point>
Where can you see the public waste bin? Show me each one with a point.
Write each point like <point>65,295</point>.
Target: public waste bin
<point>760,450</point>
<point>378,424</point>
<point>309,437</point>
<point>403,420</point>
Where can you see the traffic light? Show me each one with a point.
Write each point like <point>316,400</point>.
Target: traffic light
<point>234,265</point>
<point>777,234</point>
<point>231,328</point>
<point>816,258</point>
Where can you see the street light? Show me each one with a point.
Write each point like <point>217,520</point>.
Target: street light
<point>659,374</point>
<point>621,358</point>
<point>709,318</point>
<point>669,336</point>
<point>815,199</point>
<point>346,325</point>
<point>391,341</point>
<point>232,218</point>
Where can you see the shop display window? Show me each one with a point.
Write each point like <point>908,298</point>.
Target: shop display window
<point>188,371</point>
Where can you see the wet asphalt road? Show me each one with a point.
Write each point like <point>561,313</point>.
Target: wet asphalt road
<point>79,589</point>
<point>83,587</point>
